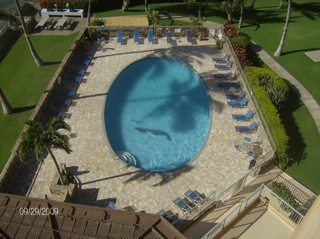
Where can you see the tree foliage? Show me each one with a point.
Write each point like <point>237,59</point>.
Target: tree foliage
<point>40,140</point>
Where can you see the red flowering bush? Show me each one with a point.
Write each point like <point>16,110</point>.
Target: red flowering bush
<point>62,3</point>
<point>230,30</point>
<point>242,54</point>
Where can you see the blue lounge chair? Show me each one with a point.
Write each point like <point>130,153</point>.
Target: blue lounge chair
<point>238,104</point>
<point>225,58</point>
<point>136,36</point>
<point>111,205</point>
<point>54,113</point>
<point>165,214</point>
<point>62,102</point>
<point>84,56</point>
<point>227,75</point>
<point>248,139</point>
<point>239,96</point>
<point>64,92</point>
<point>182,204</point>
<point>119,37</point>
<point>224,66</point>
<point>83,62</point>
<point>247,129</point>
<point>169,37</point>
<point>244,117</point>
<point>100,38</point>
<point>194,196</point>
<point>237,147</point>
<point>150,36</point>
<point>250,154</point>
<point>72,78</point>
<point>189,36</point>
<point>78,72</point>
<point>228,85</point>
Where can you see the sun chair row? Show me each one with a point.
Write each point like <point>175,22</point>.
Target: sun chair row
<point>63,95</point>
<point>150,36</point>
<point>192,200</point>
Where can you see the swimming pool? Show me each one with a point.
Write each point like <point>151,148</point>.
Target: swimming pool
<point>157,114</point>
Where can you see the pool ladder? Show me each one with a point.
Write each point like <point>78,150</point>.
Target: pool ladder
<point>126,157</point>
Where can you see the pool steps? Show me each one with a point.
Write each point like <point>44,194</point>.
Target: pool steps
<point>128,158</point>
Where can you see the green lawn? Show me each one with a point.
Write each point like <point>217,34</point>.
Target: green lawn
<point>23,83</point>
<point>265,26</point>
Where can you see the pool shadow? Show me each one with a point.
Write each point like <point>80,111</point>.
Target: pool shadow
<point>165,177</point>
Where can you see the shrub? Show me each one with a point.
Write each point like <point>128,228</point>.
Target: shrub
<point>153,16</point>
<point>97,22</point>
<point>242,54</point>
<point>270,113</point>
<point>241,40</point>
<point>276,88</point>
<point>197,20</point>
<point>282,191</point>
<point>230,30</point>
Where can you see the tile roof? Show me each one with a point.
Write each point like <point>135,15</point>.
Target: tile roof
<point>23,217</point>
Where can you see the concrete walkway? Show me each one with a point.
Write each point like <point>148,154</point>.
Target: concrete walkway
<point>305,96</point>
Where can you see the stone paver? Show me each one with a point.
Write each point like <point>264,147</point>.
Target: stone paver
<point>102,178</point>
<point>305,96</point>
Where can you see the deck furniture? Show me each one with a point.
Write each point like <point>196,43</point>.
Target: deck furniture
<point>65,12</point>
<point>238,104</point>
<point>60,23</point>
<point>247,129</point>
<point>224,58</point>
<point>238,96</point>
<point>247,116</point>
<point>42,23</point>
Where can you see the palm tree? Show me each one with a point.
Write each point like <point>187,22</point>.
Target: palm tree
<point>285,29</point>
<point>229,6</point>
<point>89,12</point>
<point>34,54</point>
<point>189,2</point>
<point>41,140</point>
<point>200,9</point>
<point>252,4</point>
<point>240,3</point>
<point>6,107</point>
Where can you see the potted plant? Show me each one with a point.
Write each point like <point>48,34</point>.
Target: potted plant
<point>219,42</point>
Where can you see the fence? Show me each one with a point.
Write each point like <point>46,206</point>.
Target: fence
<point>299,195</point>
<point>273,199</point>
<point>282,206</point>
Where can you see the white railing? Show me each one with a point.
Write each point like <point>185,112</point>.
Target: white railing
<point>233,214</point>
<point>281,206</point>
<point>272,198</point>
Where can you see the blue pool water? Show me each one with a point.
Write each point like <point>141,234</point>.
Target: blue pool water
<point>157,114</point>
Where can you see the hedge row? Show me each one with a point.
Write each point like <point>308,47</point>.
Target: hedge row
<point>270,113</point>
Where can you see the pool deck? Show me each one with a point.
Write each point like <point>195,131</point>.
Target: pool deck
<point>103,179</point>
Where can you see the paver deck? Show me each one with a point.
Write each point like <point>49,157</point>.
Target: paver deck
<point>103,179</point>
